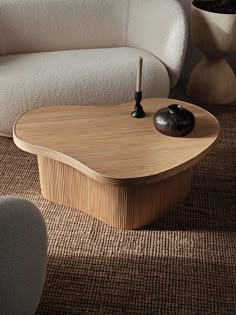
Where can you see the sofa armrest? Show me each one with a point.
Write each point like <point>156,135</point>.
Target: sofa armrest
<point>160,27</point>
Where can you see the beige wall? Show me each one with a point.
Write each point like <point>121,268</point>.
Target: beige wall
<point>193,55</point>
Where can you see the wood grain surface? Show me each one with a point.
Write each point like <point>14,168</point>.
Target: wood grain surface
<point>123,207</point>
<point>108,145</point>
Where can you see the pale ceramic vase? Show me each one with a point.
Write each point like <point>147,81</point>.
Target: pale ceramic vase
<point>213,81</point>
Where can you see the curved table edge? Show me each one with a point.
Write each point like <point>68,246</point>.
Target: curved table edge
<point>60,157</point>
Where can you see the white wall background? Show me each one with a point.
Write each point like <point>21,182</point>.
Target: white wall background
<point>193,55</point>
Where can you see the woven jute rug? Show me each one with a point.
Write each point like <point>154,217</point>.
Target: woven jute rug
<point>185,263</point>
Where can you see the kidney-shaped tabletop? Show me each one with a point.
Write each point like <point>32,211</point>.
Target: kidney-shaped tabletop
<point>108,145</point>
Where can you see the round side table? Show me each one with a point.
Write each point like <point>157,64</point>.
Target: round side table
<point>212,81</point>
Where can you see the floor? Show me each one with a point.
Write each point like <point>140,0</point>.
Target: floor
<point>182,264</point>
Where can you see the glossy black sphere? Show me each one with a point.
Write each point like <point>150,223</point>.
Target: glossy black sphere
<point>174,120</point>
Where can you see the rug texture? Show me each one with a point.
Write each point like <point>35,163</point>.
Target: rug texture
<point>184,263</point>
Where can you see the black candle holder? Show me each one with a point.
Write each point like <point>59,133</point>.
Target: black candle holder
<point>138,109</point>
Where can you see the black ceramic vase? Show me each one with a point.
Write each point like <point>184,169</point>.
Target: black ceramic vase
<point>174,120</point>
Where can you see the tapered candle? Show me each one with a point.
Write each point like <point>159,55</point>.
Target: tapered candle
<point>139,75</point>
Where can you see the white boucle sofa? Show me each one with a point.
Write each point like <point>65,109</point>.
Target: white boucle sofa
<point>83,52</point>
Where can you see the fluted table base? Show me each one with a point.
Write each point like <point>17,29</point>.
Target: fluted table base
<point>123,207</point>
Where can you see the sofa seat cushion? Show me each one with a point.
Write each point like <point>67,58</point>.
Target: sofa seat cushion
<point>75,77</point>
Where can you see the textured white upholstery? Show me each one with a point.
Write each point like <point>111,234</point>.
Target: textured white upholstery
<point>45,25</point>
<point>160,27</point>
<point>95,76</point>
<point>23,256</point>
<point>74,74</point>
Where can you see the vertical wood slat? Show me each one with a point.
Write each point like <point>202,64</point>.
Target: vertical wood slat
<point>124,207</point>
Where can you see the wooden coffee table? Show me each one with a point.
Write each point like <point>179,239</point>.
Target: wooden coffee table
<point>116,168</point>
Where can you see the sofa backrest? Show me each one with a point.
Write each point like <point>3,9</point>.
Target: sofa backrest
<point>158,26</point>
<point>28,26</point>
